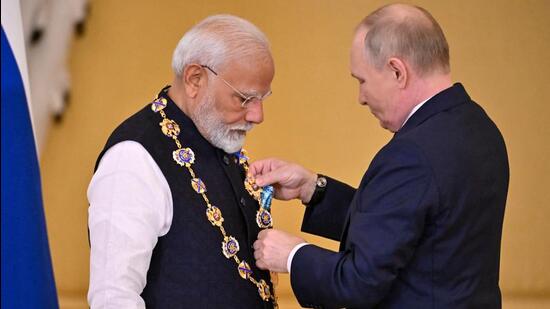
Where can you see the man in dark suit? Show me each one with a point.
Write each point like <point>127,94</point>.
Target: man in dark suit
<point>423,229</point>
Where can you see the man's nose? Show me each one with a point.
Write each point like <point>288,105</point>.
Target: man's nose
<point>255,112</point>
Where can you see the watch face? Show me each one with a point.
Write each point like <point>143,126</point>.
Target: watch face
<point>321,182</point>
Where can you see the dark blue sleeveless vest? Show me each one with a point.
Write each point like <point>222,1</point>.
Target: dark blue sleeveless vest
<point>188,269</point>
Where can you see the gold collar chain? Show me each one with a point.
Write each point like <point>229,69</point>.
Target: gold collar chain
<point>185,157</point>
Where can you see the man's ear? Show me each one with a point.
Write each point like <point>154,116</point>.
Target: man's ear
<point>194,77</point>
<point>399,71</point>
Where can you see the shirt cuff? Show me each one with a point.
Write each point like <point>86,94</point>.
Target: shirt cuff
<point>291,255</point>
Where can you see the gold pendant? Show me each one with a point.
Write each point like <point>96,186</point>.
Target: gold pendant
<point>214,215</point>
<point>158,104</point>
<point>169,127</point>
<point>184,156</point>
<point>230,246</point>
<point>264,219</point>
<point>244,270</point>
<point>198,185</point>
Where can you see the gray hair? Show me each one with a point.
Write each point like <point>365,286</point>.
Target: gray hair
<point>218,39</point>
<point>409,32</point>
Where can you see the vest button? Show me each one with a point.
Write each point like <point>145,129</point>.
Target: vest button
<point>243,201</point>
<point>226,159</point>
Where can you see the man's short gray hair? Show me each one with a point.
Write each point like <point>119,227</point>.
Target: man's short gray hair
<point>218,39</point>
<point>408,32</point>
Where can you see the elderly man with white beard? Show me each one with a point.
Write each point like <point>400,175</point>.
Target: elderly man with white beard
<point>170,186</point>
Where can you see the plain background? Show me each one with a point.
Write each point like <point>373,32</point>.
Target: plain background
<point>499,51</point>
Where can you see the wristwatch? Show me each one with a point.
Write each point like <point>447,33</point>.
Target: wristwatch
<point>319,192</point>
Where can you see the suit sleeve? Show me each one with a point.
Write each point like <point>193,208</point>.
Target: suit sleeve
<point>387,220</point>
<point>327,218</point>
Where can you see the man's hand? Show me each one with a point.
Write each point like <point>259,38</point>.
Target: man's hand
<point>289,180</point>
<point>272,248</point>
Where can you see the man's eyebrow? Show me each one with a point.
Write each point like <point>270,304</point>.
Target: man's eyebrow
<point>253,93</point>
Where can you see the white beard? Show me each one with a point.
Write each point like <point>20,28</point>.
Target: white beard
<point>229,138</point>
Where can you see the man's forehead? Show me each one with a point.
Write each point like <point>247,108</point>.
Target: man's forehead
<point>250,78</point>
<point>357,54</point>
<point>251,65</point>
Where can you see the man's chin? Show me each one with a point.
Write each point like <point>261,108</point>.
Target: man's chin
<point>235,145</point>
<point>232,148</point>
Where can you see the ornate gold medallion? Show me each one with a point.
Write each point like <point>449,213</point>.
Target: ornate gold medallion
<point>244,270</point>
<point>184,156</point>
<point>230,246</point>
<point>214,215</point>
<point>158,104</point>
<point>169,127</point>
<point>198,185</point>
<point>263,219</point>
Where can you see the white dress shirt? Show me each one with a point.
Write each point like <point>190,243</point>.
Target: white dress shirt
<point>130,207</point>
<point>297,247</point>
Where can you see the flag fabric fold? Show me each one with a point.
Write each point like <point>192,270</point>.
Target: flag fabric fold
<point>27,275</point>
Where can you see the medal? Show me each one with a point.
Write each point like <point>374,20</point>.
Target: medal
<point>158,104</point>
<point>198,185</point>
<point>244,270</point>
<point>184,156</point>
<point>214,215</point>
<point>230,246</point>
<point>263,219</point>
<point>170,128</point>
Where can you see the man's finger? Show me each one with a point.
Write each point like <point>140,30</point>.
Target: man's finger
<point>261,265</point>
<point>258,254</point>
<point>258,167</point>
<point>262,234</point>
<point>263,166</point>
<point>272,177</point>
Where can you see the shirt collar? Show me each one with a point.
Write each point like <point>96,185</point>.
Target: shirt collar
<point>419,105</point>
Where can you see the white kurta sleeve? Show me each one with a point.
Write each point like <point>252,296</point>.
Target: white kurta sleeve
<point>130,207</point>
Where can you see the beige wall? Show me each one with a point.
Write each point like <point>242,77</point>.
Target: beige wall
<point>499,51</point>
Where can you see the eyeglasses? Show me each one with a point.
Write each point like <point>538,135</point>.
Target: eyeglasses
<point>245,100</point>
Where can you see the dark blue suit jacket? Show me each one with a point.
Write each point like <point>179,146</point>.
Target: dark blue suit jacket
<point>423,229</point>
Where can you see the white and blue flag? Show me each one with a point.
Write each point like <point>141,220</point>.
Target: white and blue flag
<point>27,276</point>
